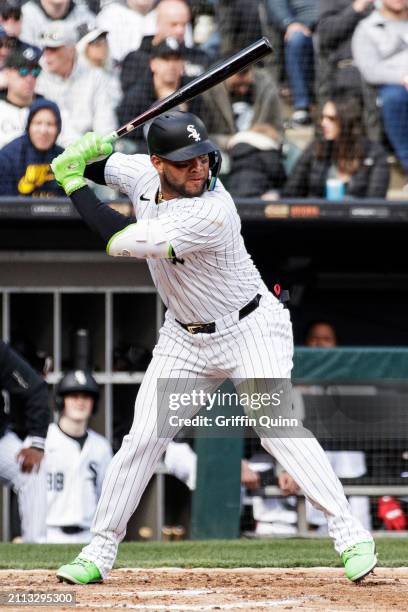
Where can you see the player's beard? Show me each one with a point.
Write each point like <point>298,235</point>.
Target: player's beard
<point>180,189</point>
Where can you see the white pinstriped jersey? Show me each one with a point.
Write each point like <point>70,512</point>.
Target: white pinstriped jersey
<point>74,476</point>
<point>216,279</point>
<point>217,275</point>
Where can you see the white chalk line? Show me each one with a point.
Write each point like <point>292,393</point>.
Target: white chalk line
<point>161,593</point>
<point>239,605</point>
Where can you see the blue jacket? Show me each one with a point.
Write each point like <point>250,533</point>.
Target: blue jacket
<point>24,170</point>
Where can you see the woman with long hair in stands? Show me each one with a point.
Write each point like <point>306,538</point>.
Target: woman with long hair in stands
<point>341,161</point>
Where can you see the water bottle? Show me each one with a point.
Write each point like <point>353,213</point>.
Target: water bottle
<point>335,189</point>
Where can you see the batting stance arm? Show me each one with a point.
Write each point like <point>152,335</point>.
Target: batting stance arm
<point>97,215</point>
<point>144,239</point>
<point>69,169</point>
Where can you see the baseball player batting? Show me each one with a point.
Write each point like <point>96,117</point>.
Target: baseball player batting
<point>221,320</point>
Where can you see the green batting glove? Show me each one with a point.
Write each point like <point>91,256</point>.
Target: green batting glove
<point>68,169</point>
<point>92,147</point>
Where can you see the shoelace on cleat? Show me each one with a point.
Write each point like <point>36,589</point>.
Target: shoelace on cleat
<point>350,552</point>
<point>83,562</point>
<point>353,550</point>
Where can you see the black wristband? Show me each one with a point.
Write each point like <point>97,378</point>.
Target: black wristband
<point>96,172</point>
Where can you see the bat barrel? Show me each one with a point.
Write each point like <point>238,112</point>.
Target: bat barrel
<point>213,76</point>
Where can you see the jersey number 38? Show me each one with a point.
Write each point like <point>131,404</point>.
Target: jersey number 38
<point>55,481</point>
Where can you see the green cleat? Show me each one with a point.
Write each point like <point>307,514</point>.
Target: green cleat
<point>80,571</point>
<point>359,560</point>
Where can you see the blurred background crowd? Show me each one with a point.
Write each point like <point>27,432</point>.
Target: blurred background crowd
<point>325,116</point>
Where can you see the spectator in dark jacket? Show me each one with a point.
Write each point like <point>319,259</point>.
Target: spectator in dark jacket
<point>238,23</point>
<point>25,161</point>
<point>337,22</point>
<point>163,76</point>
<point>256,162</point>
<point>296,20</point>
<point>342,154</point>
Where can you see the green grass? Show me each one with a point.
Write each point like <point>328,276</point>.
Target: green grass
<point>215,553</point>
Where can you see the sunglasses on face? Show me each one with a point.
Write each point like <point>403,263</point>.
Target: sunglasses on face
<point>26,71</point>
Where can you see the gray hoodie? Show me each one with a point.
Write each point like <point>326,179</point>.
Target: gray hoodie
<point>380,49</point>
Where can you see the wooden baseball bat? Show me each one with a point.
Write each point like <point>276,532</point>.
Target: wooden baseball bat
<point>213,76</point>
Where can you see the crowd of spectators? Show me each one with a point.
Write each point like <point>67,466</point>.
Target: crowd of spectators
<point>334,94</point>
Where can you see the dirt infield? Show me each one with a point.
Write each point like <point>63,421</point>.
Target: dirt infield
<point>218,589</point>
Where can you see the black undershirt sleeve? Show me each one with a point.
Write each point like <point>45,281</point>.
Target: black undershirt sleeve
<point>99,216</point>
<point>96,172</point>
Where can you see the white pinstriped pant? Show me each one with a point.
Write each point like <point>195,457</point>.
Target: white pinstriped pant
<point>258,346</point>
<point>30,489</point>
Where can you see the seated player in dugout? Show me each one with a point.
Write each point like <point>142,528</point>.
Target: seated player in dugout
<point>76,459</point>
<point>221,322</point>
<point>25,161</point>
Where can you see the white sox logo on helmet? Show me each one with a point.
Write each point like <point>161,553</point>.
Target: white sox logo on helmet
<point>193,133</point>
<point>80,377</point>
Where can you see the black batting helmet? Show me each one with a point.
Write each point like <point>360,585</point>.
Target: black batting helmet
<point>179,136</point>
<point>77,381</point>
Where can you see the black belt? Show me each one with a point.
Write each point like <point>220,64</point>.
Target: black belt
<point>345,63</point>
<point>209,328</point>
<point>72,529</point>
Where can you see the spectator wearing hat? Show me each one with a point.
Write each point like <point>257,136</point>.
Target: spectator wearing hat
<point>93,50</point>
<point>82,92</point>
<point>127,23</point>
<point>22,69</point>
<point>10,33</point>
<point>39,15</point>
<point>25,161</point>
<point>164,75</point>
<point>173,19</point>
